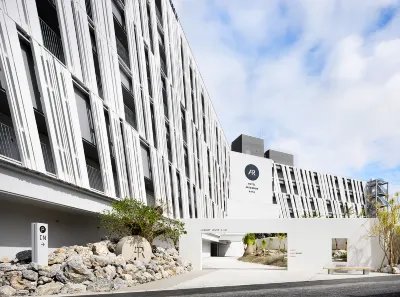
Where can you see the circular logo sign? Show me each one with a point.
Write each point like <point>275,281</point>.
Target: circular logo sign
<point>251,172</point>
<point>42,229</point>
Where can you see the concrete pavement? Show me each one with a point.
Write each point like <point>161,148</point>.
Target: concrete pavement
<point>229,275</point>
<point>362,286</point>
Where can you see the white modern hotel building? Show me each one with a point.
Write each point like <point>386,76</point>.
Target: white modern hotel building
<point>102,99</point>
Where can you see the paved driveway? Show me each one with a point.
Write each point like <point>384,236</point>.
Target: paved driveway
<point>233,263</point>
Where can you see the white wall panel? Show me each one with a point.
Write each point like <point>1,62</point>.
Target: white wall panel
<point>67,30</point>
<point>55,84</point>
<point>103,148</point>
<point>19,98</point>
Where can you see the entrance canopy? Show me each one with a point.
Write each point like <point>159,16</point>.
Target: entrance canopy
<point>309,240</point>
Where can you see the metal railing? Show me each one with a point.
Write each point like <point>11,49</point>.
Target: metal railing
<point>169,155</point>
<point>95,179</point>
<point>123,52</point>
<point>52,41</point>
<point>8,142</point>
<point>89,8</point>
<point>99,86</point>
<point>48,158</point>
<point>116,185</point>
<point>130,116</point>
<point>159,17</point>
<point>163,67</point>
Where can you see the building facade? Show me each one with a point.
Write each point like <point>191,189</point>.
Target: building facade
<point>296,192</point>
<point>100,100</point>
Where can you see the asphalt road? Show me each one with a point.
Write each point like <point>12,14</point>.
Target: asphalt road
<point>373,286</point>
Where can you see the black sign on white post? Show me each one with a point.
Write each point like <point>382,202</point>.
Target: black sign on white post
<point>40,247</point>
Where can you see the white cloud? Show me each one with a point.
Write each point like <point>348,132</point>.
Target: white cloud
<point>253,58</point>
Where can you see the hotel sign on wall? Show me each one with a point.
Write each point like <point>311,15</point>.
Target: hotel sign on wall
<point>252,173</point>
<point>251,186</point>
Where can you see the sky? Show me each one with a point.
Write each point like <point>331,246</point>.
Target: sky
<point>316,78</point>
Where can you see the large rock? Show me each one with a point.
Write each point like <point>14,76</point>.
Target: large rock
<point>6,291</point>
<point>131,268</point>
<point>73,289</point>
<point>49,289</point>
<point>76,271</point>
<point>100,248</point>
<point>30,275</point>
<point>24,256</point>
<point>58,257</point>
<point>44,280</point>
<point>49,271</point>
<point>148,276</point>
<point>5,267</point>
<point>14,279</point>
<point>100,285</point>
<point>108,272</point>
<point>101,261</point>
<point>134,248</point>
<point>119,284</point>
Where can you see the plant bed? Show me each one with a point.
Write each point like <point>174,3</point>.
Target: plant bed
<point>272,259</point>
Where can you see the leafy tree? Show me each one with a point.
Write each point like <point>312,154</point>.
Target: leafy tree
<point>249,240</point>
<point>263,245</point>
<point>281,237</point>
<point>387,228</point>
<point>132,217</point>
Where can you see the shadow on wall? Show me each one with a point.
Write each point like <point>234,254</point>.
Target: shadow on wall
<point>65,228</point>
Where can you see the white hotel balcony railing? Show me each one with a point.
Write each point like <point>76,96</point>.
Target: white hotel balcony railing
<point>52,41</point>
<point>122,52</point>
<point>163,67</point>
<point>95,180</point>
<point>8,142</point>
<point>48,158</point>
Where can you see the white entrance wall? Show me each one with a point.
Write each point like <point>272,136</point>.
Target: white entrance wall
<point>309,240</point>
<point>206,248</point>
<point>231,249</point>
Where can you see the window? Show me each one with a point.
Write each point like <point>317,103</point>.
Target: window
<point>168,136</point>
<point>172,192</point>
<point>30,75</point>
<point>126,80</point>
<point>195,202</point>
<point>198,169</point>
<point>96,62</point>
<point>85,116</point>
<point>149,84</point>
<point>179,195</point>
<point>153,123</point>
<point>146,163</point>
<point>186,158</point>
<point>183,120</point>
<point>190,201</point>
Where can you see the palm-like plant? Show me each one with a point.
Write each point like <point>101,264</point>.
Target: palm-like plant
<point>249,240</point>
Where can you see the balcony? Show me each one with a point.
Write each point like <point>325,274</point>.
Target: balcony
<point>95,179</point>
<point>48,158</point>
<point>123,52</point>
<point>52,41</point>
<point>8,142</point>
